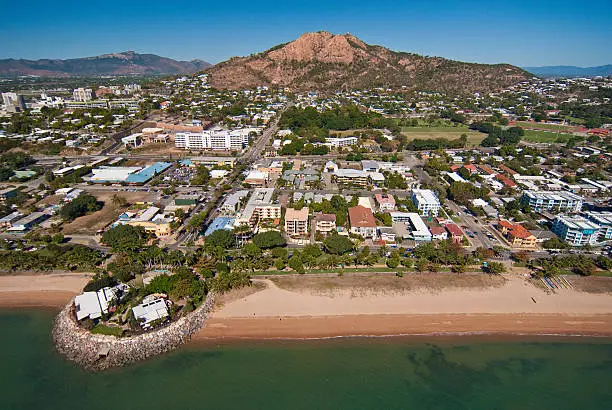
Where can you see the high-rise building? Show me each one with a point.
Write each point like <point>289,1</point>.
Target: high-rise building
<point>13,102</point>
<point>222,140</point>
<point>82,94</point>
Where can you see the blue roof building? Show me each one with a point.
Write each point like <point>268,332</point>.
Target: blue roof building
<point>147,173</point>
<point>220,222</point>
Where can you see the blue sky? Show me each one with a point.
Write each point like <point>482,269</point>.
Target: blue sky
<point>518,32</point>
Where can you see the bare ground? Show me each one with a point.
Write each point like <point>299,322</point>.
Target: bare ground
<point>379,284</point>
<point>592,284</point>
<point>91,223</point>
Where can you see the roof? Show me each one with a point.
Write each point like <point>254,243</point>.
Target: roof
<point>385,199</point>
<point>505,224</point>
<point>351,173</point>
<point>519,231</point>
<point>425,196</point>
<point>147,173</point>
<point>454,230</point>
<point>361,217</point>
<point>437,230</point>
<point>326,217</point>
<point>296,214</point>
<point>220,223</point>
<point>151,311</point>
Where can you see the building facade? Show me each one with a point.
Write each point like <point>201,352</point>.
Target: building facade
<point>426,202</point>
<point>576,230</point>
<point>555,202</point>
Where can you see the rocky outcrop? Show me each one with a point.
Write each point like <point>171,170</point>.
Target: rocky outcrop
<point>329,62</point>
<point>101,352</point>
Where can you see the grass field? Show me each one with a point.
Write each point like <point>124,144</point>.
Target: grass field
<point>90,224</point>
<point>541,126</point>
<point>545,136</point>
<point>450,133</point>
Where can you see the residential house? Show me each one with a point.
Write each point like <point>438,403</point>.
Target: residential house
<point>362,221</point>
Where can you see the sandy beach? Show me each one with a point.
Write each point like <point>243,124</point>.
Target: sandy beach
<point>52,290</point>
<point>293,308</point>
<point>281,313</point>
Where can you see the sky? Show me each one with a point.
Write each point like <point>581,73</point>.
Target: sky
<point>523,33</point>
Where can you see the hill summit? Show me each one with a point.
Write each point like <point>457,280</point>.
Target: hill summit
<point>329,62</point>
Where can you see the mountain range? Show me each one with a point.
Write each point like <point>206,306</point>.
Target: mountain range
<point>329,62</point>
<point>125,63</point>
<point>569,71</point>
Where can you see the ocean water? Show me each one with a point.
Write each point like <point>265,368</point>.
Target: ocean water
<point>393,373</point>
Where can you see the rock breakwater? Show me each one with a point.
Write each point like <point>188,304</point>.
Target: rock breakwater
<point>100,352</point>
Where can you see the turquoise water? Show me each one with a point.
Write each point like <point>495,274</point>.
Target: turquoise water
<point>338,374</point>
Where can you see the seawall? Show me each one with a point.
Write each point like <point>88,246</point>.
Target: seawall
<point>83,347</point>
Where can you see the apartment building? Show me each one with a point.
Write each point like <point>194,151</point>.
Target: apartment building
<point>576,230</point>
<point>216,140</point>
<point>604,220</point>
<point>13,102</point>
<point>82,94</point>
<point>354,177</point>
<point>556,202</point>
<point>517,235</point>
<point>325,223</point>
<point>341,142</point>
<point>426,202</point>
<point>296,221</point>
<point>260,206</point>
<point>410,225</point>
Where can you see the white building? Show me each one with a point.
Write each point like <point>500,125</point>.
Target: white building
<point>341,142</point>
<point>552,201</point>
<point>216,140</point>
<point>82,94</point>
<point>150,310</point>
<point>426,201</point>
<point>576,230</point>
<point>260,206</point>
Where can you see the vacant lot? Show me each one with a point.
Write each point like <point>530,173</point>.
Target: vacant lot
<point>389,284</point>
<point>545,136</point>
<point>89,224</point>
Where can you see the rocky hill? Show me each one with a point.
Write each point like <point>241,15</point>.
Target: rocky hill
<point>126,63</point>
<point>324,61</point>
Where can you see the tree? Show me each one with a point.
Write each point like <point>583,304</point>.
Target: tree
<point>296,264</point>
<point>119,200</point>
<point>123,238</point>
<point>80,206</point>
<point>279,263</point>
<point>495,268</point>
<point>251,251</point>
<point>337,244</point>
<point>221,238</point>
<point>270,239</point>
<point>393,262</point>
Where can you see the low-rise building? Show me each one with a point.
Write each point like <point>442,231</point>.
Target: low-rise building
<point>455,233</point>
<point>352,177</point>
<point>362,221</point>
<point>151,309</point>
<point>385,202</point>
<point>438,233</point>
<point>259,207</point>
<point>517,235</point>
<point>604,221</point>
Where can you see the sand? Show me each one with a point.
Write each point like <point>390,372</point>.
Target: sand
<point>508,309</point>
<point>274,312</point>
<point>53,290</point>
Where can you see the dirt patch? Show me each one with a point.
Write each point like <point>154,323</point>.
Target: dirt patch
<point>239,293</point>
<point>90,224</point>
<point>592,284</point>
<point>361,285</point>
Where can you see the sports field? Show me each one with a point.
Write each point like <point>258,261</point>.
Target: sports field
<point>450,133</point>
<point>545,136</point>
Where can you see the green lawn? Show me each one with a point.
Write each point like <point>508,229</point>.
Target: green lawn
<point>101,329</point>
<point>542,126</point>
<point>450,133</point>
<point>545,136</point>
<point>474,268</point>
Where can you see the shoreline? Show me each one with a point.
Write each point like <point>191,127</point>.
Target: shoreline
<point>388,326</point>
